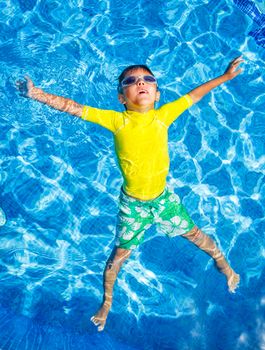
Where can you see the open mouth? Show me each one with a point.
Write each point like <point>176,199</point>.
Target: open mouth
<point>143,92</point>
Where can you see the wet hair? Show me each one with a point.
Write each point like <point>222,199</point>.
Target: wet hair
<point>131,69</point>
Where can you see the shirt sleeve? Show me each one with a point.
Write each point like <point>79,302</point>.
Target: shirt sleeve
<point>105,118</point>
<point>169,112</point>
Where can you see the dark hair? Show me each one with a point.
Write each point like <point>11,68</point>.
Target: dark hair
<point>129,69</point>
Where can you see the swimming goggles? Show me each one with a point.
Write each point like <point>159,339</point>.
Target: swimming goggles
<point>132,79</point>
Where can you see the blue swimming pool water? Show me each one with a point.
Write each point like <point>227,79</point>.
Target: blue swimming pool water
<point>255,9</point>
<point>59,180</point>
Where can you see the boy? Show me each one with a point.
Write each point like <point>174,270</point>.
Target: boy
<point>140,136</point>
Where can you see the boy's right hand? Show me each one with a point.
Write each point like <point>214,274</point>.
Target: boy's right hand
<point>25,87</point>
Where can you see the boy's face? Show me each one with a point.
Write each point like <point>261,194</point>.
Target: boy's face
<point>140,96</point>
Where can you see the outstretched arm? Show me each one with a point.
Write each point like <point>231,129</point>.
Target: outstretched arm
<point>27,89</point>
<point>230,73</point>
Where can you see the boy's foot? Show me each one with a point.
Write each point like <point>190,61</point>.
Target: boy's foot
<point>233,279</point>
<point>99,319</point>
<point>2,217</point>
<point>233,282</point>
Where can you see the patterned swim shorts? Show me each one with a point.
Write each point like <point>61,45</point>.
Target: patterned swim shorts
<point>136,216</point>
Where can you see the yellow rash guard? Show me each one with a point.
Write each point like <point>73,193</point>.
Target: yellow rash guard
<point>141,144</point>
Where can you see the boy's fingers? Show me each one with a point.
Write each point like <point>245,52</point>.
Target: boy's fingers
<point>20,85</point>
<point>237,60</point>
<point>26,81</point>
<point>235,65</point>
<point>29,81</point>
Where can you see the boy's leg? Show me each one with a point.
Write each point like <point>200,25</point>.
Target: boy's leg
<point>205,243</point>
<point>113,266</point>
<point>133,219</point>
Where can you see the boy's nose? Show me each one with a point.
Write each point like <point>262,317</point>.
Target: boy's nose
<point>140,81</point>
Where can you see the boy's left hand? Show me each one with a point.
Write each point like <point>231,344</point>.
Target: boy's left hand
<point>231,71</point>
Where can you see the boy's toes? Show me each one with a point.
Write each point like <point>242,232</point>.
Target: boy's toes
<point>94,320</point>
<point>97,322</point>
<point>100,328</point>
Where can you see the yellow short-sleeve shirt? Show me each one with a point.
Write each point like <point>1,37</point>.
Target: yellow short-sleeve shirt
<point>141,144</point>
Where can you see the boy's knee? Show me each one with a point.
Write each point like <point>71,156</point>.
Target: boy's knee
<point>195,235</point>
<point>119,258</point>
<point>112,267</point>
<point>122,255</point>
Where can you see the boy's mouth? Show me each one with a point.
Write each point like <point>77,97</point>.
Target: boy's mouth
<point>143,91</point>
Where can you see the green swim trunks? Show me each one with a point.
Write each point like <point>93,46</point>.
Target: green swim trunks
<point>136,216</point>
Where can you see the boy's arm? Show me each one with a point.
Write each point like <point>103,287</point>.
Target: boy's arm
<point>27,89</point>
<point>230,73</point>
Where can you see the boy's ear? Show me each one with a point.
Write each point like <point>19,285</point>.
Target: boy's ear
<point>121,99</point>
<point>157,95</point>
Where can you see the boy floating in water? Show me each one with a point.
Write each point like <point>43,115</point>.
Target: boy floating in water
<point>140,136</point>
